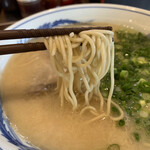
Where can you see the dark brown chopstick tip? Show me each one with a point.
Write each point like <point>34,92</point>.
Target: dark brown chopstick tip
<point>21,48</point>
<point>31,33</point>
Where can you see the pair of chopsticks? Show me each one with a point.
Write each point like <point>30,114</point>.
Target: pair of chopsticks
<point>33,33</point>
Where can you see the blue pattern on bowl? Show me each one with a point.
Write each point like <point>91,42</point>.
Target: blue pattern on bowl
<point>8,132</point>
<point>57,23</point>
<point>5,127</point>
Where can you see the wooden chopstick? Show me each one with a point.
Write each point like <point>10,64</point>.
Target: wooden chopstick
<point>21,48</point>
<point>17,34</point>
<point>29,47</point>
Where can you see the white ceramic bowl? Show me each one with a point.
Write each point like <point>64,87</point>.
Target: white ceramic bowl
<point>138,19</point>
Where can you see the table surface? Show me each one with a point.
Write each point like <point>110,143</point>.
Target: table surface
<point>8,18</point>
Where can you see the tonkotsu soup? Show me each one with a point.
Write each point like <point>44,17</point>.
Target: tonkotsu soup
<point>33,106</point>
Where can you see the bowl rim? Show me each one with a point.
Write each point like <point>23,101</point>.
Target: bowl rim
<point>79,6</point>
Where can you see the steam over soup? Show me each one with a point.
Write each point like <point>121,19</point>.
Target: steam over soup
<point>34,107</point>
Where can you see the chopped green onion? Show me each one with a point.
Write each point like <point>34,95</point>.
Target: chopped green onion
<point>134,60</point>
<point>136,136</point>
<point>137,120</point>
<point>136,106</point>
<point>142,60</point>
<point>124,74</point>
<point>141,81</point>
<point>115,71</point>
<point>121,123</point>
<point>144,87</point>
<point>145,72</point>
<point>113,147</point>
<point>144,113</point>
<point>132,79</point>
<point>146,96</point>
<point>142,103</point>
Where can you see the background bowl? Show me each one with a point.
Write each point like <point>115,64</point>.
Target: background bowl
<point>131,17</point>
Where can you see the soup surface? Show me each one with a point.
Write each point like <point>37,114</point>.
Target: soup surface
<point>34,110</point>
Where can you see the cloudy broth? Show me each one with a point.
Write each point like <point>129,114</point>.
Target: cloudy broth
<point>33,109</point>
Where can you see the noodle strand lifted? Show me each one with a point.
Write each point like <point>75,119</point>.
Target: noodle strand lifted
<point>81,62</point>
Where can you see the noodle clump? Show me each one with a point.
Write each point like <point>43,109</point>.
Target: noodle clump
<point>81,62</point>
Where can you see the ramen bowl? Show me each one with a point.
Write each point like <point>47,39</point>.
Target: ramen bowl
<point>130,17</point>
